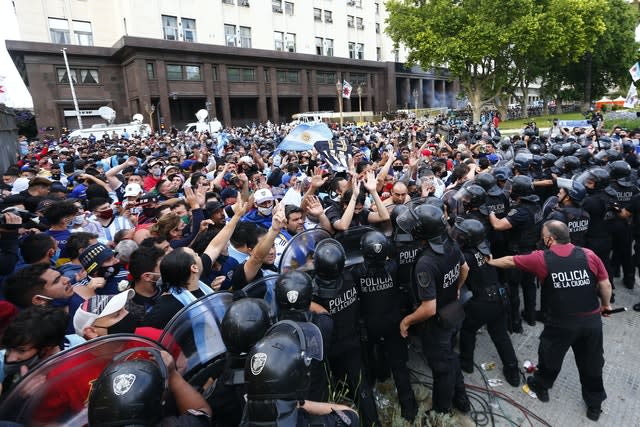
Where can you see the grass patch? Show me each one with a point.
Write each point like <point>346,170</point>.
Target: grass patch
<point>541,121</point>
<point>625,124</point>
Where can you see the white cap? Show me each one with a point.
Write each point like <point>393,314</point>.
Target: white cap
<point>97,307</point>
<point>246,159</point>
<point>133,189</point>
<point>263,195</point>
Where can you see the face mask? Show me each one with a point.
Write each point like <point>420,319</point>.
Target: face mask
<point>12,369</point>
<point>108,214</point>
<point>265,211</point>
<point>55,256</point>
<point>156,172</point>
<point>107,272</point>
<point>127,325</point>
<point>78,219</point>
<point>57,302</point>
<point>55,177</point>
<point>398,168</point>
<point>185,219</point>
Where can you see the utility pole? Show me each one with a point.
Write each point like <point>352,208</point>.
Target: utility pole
<point>73,91</point>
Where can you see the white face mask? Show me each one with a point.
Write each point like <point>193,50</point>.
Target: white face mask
<point>265,211</point>
<point>78,219</point>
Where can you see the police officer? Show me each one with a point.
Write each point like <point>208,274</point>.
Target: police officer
<point>294,292</point>
<point>245,322</point>
<point>406,252</point>
<point>625,189</point>
<point>569,210</point>
<point>439,273</point>
<point>522,222</point>
<point>278,381</point>
<point>473,198</point>
<point>379,305</point>
<point>336,291</point>
<point>489,304</point>
<point>578,292</point>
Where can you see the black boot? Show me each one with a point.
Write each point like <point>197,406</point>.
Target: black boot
<point>512,375</point>
<point>409,409</point>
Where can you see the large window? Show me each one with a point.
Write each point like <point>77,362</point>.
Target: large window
<point>278,40</point>
<point>357,79</point>
<point>170,27</point>
<point>288,76</point>
<point>189,30</point>
<point>288,8</point>
<point>290,42</point>
<point>359,24</point>
<point>245,36</point>
<point>82,31</point>
<point>214,72</point>
<point>276,6</point>
<point>324,46</point>
<point>325,77</point>
<point>87,76</point>
<point>317,14</point>
<point>241,74</point>
<point>228,2</point>
<point>151,71</point>
<point>377,28</point>
<point>183,72</point>
<point>352,50</point>
<point>328,16</point>
<point>59,30</point>
<point>230,35</point>
<point>360,51</point>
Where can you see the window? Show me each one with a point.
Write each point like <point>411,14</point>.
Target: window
<point>326,78</point>
<point>357,79</point>
<point>317,14</point>
<point>290,42</point>
<point>377,7</point>
<point>328,47</point>
<point>288,76</point>
<point>357,3</point>
<point>214,72</point>
<point>276,6</point>
<point>245,36</point>
<point>189,30</point>
<point>244,3</point>
<point>151,71</point>
<point>359,24</point>
<point>378,54</point>
<point>241,74</point>
<point>360,51</point>
<point>288,8</point>
<point>350,21</point>
<point>377,28</point>
<point>170,27</point>
<point>59,30</point>
<point>228,2</point>
<point>278,40</point>
<point>82,31</point>
<point>319,46</point>
<point>396,55</point>
<point>327,16</point>
<point>267,75</point>
<point>88,76</point>
<point>183,72</point>
<point>352,50</point>
<point>230,35</point>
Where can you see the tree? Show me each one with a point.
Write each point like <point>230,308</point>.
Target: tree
<point>491,46</point>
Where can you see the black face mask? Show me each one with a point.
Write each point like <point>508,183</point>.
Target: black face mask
<point>12,369</point>
<point>55,177</point>
<point>149,212</point>
<point>398,168</point>
<point>107,272</point>
<point>127,325</point>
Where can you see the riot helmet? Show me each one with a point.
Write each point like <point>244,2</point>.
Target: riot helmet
<point>548,159</point>
<point>519,145</point>
<point>594,179</point>
<point>522,187</point>
<point>627,147</point>
<point>375,248</point>
<point>328,262</point>
<point>129,392</point>
<point>244,323</point>
<point>571,163</point>
<point>294,291</point>
<point>535,148</point>
<point>425,222</point>
<point>556,149</point>
<point>583,154</point>
<point>505,144</point>
<point>472,196</point>
<point>574,189</point>
<point>470,233</point>
<point>620,171</point>
<point>488,182</point>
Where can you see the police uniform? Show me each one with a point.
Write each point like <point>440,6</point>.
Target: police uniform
<point>435,277</point>
<point>622,235</point>
<point>598,204</point>
<point>406,254</point>
<point>570,275</point>
<point>576,218</point>
<point>379,302</point>
<point>345,356</point>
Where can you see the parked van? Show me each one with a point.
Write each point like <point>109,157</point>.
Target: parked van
<point>133,128</point>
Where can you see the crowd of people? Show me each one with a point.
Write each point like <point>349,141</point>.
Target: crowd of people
<point>110,235</point>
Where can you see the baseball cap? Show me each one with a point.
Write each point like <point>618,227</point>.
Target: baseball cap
<point>133,189</point>
<point>263,195</point>
<point>211,207</point>
<point>93,256</point>
<point>99,306</point>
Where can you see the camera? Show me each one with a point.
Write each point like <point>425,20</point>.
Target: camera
<point>24,214</point>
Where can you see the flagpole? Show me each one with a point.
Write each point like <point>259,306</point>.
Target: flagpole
<point>339,92</point>
<point>73,91</point>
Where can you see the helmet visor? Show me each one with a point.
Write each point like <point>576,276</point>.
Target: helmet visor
<point>308,334</point>
<point>407,221</point>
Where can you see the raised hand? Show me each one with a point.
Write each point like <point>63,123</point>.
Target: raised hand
<point>278,220</point>
<point>370,183</point>
<point>313,206</point>
<point>355,186</point>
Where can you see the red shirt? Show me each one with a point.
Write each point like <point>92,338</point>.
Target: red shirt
<point>534,262</point>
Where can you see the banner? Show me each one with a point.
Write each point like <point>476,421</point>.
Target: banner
<point>346,89</point>
<point>304,136</point>
<point>635,71</point>
<point>632,97</point>
<point>574,123</point>
<point>335,152</point>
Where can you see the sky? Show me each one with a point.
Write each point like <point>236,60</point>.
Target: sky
<point>16,95</point>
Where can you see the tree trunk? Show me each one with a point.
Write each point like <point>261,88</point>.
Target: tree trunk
<point>524,102</point>
<point>475,99</point>
<point>586,101</point>
<point>504,105</point>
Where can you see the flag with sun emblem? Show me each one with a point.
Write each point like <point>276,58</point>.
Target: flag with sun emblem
<point>304,136</point>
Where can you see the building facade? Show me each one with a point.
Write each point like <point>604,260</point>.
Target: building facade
<point>243,60</point>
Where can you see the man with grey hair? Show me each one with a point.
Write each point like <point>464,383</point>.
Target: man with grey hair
<point>577,289</point>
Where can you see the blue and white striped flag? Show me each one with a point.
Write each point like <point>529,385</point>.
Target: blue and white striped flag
<point>304,136</point>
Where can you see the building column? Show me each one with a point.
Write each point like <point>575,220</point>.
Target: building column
<point>406,93</point>
<point>207,75</point>
<point>314,91</point>
<point>165,109</point>
<point>262,97</point>
<point>371,86</point>
<point>431,101</point>
<point>224,94</point>
<point>275,110</point>
<point>420,94</point>
<point>304,80</point>
<point>443,94</point>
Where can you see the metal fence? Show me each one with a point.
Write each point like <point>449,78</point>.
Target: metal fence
<point>8,137</point>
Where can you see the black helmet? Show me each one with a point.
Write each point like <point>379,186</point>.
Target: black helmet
<point>328,261</point>
<point>556,149</point>
<point>571,163</point>
<point>535,149</point>
<point>470,233</point>
<point>574,189</point>
<point>472,196</point>
<point>522,187</point>
<point>619,170</point>
<point>129,392</point>
<point>488,182</point>
<point>375,248</point>
<point>505,144</point>
<point>277,367</point>
<point>613,155</point>
<point>548,159</point>
<point>521,162</point>
<point>502,173</point>
<point>294,291</point>
<point>583,154</point>
<point>598,176</point>
<point>425,222</point>
<point>398,234</point>
<point>627,147</point>
<point>519,145</point>
<point>244,323</point>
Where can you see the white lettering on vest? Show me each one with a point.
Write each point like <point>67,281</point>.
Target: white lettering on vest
<point>375,284</point>
<point>451,277</point>
<point>578,225</point>
<point>570,279</point>
<point>343,301</point>
<point>407,257</point>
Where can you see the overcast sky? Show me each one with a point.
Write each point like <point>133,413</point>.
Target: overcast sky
<point>17,95</point>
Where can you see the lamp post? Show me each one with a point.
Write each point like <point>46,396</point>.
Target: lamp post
<point>339,92</point>
<point>73,91</point>
<point>360,100</point>
<point>208,105</point>
<point>150,109</point>
<point>415,101</point>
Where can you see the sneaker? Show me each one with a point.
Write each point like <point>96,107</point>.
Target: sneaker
<point>409,409</point>
<point>466,366</point>
<point>543,394</point>
<point>461,403</point>
<point>593,412</point>
<point>512,375</point>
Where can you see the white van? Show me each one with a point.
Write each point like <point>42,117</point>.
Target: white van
<point>212,127</point>
<point>133,128</point>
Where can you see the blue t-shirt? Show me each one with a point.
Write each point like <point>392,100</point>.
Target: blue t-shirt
<point>60,236</point>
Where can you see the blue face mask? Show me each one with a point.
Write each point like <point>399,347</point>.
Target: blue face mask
<point>55,256</point>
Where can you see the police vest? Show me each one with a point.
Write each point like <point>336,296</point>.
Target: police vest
<point>446,274</point>
<point>523,239</point>
<point>406,256</point>
<point>624,194</point>
<point>379,294</point>
<point>598,205</point>
<point>570,286</point>
<point>577,219</point>
<point>481,276</point>
<point>498,204</point>
<point>345,312</point>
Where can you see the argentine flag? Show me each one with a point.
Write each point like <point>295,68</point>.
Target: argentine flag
<point>304,136</point>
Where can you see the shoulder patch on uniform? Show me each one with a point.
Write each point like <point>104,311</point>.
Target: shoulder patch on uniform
<point>424,279</point>
<point>343,417</point>
<point>512,212</point>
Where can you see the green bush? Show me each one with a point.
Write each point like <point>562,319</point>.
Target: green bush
<point>626,124</point>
